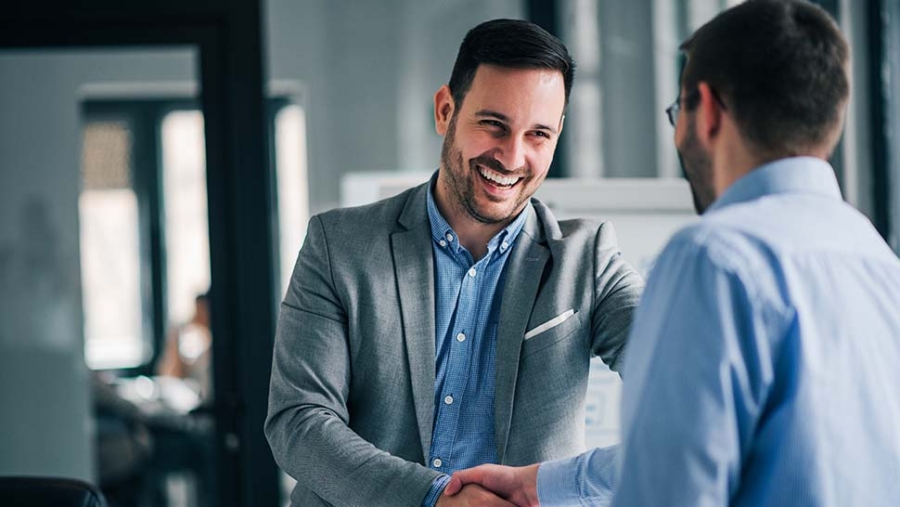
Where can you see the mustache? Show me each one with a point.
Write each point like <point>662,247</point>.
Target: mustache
<point>493,164</point>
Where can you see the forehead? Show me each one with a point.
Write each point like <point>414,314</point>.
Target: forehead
<point>521,94</point>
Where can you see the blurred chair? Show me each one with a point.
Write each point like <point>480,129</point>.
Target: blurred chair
<point>48,492</point>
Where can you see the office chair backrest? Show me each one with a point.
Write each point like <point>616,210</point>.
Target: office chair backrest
<point>48,492</point>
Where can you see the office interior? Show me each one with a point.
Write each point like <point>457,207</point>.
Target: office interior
<point>158,162</point>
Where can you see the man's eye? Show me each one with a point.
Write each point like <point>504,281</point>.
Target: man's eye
<point>492,123</point>
<point>541,133</point>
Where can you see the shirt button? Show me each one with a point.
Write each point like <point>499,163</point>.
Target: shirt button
<point>442,243</point>
<point>504,245</point>
<point>437,463</point>
<point>472,272</point>
<point>449,237</point>
<point>460,337</point>
<point>448,400</point>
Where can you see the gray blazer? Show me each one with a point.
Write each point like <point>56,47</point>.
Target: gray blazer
<point>351,401</point>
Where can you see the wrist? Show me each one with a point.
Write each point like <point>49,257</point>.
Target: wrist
<point>434,495</point>
<point>530,485</point>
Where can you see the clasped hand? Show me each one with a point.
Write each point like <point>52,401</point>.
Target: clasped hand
<point>511,486</point>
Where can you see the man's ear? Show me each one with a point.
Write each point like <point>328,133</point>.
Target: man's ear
<point>443,109</point>
<point>709,114</point>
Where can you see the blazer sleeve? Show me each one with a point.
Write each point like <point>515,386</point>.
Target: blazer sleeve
<point>307,423</point>
<point>617,291</point>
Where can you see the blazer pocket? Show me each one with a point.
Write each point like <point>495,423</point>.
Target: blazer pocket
<point>551,332</point>
<point>550,324</point>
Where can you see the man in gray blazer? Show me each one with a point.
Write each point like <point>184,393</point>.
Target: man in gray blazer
<point>451,325</point>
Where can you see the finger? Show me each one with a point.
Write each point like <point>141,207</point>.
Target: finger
<point>490,499</point>
<point>503,503</point>
<point>453,486</point>
<point>496,501</point>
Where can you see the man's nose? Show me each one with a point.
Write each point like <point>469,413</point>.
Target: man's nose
<point>512,153</point>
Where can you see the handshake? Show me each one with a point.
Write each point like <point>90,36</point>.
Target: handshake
<point>492,486</point>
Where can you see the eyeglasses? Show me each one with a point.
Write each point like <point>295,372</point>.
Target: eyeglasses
<point>675,108</point>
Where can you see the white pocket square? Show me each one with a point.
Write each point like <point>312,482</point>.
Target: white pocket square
<point>550,324</point>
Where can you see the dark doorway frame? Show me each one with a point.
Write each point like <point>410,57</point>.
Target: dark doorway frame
<point>228,36</point>
<point>883,30</point>
<point>545,14</point>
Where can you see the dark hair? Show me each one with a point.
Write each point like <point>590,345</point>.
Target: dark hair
<point>781,68</point>
<point>509,43</point>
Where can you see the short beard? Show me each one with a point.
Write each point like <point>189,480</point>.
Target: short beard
<point>455,167</point>
<point>697,168</point>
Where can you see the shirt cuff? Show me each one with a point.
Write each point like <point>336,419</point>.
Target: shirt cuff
<point>437,487</point>
<point>587,479</point>
<point>556,485</point>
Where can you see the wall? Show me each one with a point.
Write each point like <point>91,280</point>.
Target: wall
<point>45,425</point>
<point>369,71</point>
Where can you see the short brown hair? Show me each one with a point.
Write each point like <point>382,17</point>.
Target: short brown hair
<point>509,43</point>
<point>781,66</point>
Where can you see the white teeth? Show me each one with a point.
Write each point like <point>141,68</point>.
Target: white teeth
<point>497,177</point>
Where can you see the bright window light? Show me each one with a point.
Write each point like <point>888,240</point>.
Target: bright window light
<point>293,196</point>
<point>187,228</point>
<point>110,277</point>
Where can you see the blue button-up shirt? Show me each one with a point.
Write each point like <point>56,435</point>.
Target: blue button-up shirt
<point>762,369</point>
<point>467,307</point>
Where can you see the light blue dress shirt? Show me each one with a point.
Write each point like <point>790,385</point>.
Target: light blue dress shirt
<point>764,365</point>
<point>467,306</point>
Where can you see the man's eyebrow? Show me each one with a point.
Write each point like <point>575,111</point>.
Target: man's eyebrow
<point>493,114</point>
<point>538,126</point>
<point>504,118</point>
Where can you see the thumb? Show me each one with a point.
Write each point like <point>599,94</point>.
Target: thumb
<point>461,478</point>
<point>453,486</point>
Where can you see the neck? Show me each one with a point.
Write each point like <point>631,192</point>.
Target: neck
<point>473,234</point>
<point>733,160</point>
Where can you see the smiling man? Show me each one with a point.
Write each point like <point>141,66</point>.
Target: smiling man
<point>452,325</point>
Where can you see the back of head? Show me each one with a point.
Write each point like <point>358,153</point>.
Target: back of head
<point>781,67</point>
<point>509,43</point>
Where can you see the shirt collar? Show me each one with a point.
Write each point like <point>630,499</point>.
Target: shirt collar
<point>788,175</point>
<point>444,235</point>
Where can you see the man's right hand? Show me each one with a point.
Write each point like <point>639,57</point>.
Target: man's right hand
<point>472,495</point>
<point>516,484</point>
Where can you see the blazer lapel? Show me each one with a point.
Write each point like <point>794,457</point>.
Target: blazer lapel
<point>523,277</point>
<point>414,265</point>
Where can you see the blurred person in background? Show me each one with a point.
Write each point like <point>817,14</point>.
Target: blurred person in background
<point>188,350</point>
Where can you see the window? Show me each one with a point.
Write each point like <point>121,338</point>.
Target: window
<point>628,64</point>
<point>186,227</point>
<point>143,215</point>
<point>291,175</point>
<point>110,248</point>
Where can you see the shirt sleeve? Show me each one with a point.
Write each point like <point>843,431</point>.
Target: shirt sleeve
<point>695,379</point>
<point>588,479</point>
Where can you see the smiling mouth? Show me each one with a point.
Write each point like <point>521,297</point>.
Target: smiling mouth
<point>496,179</point>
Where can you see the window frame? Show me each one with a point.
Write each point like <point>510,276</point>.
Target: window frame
<point>145,116</point>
